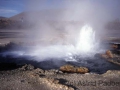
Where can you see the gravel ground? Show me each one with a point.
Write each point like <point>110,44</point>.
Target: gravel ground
<point>28,78</point>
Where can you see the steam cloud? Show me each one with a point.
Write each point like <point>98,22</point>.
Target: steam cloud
<point>56,27</point>
<point>66,17</point>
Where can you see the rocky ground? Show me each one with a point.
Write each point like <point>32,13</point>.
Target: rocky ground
<point>27,77</point>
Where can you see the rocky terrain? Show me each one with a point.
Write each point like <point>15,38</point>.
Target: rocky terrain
<point>6,23</point>
<point>27,77</point>
<point>16,76</point>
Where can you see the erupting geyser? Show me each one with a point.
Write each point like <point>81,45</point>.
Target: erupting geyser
<point>79,53</point>
<point>86,45</point>
<point>86,42</point>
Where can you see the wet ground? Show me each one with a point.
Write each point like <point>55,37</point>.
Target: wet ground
<point>15,75</point>
<point>95,64</point>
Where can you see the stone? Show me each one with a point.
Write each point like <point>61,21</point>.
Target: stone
<point>27,67</point>
<point>109,54</point>
<point>74,69</point>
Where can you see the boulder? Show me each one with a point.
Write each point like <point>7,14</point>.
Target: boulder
<point>108,54</point>
<point>74,69</point>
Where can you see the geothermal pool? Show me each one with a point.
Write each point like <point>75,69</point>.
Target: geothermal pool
<point>82,53</point>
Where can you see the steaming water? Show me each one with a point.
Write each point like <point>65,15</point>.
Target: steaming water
<point>86,45</point>
<point>80,54</point>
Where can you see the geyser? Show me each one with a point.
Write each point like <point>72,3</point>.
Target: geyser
<point>85,45</point>
<point>86,42</point>
<point>80,53</point>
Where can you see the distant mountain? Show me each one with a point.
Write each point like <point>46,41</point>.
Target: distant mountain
<point>1,17</point>
<point>18,16</point>
<point>53,18</point>
<point>40,15</point>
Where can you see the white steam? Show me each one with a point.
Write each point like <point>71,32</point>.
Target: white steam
<point>86,45</point>
<point>57,26</point>
<point>86,42</point>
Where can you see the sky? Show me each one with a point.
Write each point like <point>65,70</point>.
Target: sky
<point>10,8</point>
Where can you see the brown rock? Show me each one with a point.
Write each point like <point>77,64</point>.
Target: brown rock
<point>82,70</point>
<point>109,54</point>
<point>74,69</point>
